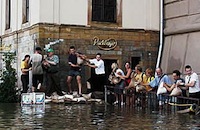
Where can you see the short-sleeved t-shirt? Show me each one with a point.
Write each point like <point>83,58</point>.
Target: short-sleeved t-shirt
<point>54,58</point>
<point>189,79</point>
<point>119,71</point>
<point>164,78</point>
<point>73,59</point>
<point>141,77</point>
<point>24,65</point>
<point>149,79</point>
<point>100,66</point>
<point>37,64</point>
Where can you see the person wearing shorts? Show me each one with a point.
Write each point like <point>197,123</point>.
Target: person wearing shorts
<point>75,70</point>
<point>37,69</point>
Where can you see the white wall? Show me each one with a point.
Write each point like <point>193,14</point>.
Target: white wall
<point>2,16</point>
<point>35,11</point>
<point>133,14</point>
<point>74,12</point>
<point>153,14</point>
<point>46,8</point>
<point>140,14</point>
<point>14,14</point>
<point>136,14</point>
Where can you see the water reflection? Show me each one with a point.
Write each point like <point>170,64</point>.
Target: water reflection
<point>92,117</point>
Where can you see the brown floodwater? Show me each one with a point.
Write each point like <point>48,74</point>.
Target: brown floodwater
<point>93,117</point>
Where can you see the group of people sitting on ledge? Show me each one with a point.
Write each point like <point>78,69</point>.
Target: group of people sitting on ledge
<point>131,83</point>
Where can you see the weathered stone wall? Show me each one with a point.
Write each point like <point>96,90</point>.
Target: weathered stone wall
<point>182,28</point>
<point>21,43</point>
<point>130,43</point>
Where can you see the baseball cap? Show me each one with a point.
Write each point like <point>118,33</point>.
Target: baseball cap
<point>50,50</point>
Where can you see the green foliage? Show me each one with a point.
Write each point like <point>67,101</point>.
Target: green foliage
<point>8,92</point>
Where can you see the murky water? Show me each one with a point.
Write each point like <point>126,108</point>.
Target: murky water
<point>92,117</point>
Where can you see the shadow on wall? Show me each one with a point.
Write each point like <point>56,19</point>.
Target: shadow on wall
<point>174,64</point>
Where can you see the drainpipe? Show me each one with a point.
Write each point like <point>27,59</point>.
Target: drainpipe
<point>0,41</point>
<point>0,45</point>
<point>1,68</point>
<point>161,34</point>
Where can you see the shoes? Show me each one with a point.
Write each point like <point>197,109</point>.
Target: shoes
<point>48,97</point>
<point>63,92</point>
<point>39,86</point>
<point>116,102</point>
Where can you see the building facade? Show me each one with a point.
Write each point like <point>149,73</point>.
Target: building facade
<point>181,35</point>
<point>121,30</point>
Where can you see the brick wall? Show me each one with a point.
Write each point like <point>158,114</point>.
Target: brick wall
<point>130,43</point>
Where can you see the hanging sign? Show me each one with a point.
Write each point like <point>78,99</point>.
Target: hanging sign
<point>107,44</point>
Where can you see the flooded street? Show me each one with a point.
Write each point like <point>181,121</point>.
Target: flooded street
<point>92,117</point>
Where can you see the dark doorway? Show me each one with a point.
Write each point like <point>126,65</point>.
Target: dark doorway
<point>108,63</point>
<point>135,61</point>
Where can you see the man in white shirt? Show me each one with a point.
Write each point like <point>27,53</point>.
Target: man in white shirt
<point>98,79</point>
<point>192,82</point>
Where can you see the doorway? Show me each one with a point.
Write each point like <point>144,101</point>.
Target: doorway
<point>108,63</point>
<point>135,61</point>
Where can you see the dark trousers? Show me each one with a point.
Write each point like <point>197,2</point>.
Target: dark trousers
<point>97,82</point>
<point>25,82</point>
<point>195,95</point>
<point>36,79</point>
<point>53,84</point>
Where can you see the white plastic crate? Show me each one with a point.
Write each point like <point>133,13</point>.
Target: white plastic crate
<point>32,98</point>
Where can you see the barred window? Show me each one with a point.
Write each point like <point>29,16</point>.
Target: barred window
<point>8,13</point>
<point>104,10</point>
<point>25,12</point>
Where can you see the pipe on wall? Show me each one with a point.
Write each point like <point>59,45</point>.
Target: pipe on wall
<point>0,43</point>
<point>161,34</point>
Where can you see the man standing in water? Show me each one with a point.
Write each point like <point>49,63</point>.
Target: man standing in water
<point>160,77</point>
<point>37,70</point>
<point>192,82</point>
<point>75,70</point>
<point>53,81</point>
<point>99,76</point>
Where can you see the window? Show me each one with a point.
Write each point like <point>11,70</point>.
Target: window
<point>104,10</point>
<point>25,13</point>
<point>8,13</point>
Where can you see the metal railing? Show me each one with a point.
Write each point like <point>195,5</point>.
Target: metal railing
<point>150,99</point>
